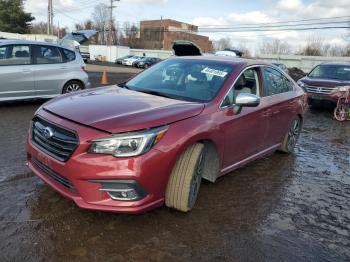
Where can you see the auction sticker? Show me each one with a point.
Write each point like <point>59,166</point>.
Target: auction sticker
<point>214,72</point>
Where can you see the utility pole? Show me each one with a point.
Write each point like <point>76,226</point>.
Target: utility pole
<point>110,33</point>
<point>49,18</point>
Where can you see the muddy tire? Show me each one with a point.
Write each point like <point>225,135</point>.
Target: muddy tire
<point>185,179</point>
<point>292,136</point>
<point>72,86</point>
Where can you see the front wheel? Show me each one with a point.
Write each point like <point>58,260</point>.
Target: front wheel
<point>72,86</point>
<point>340,112</point>
<point>292,136</point>
<point>185,179</point>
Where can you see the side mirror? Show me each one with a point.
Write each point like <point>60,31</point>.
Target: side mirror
<point>245,100</point>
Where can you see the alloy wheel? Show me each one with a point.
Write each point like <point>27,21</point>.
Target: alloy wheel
<point>196,181</point>
<point>73,87</point>
<point>293,134</point>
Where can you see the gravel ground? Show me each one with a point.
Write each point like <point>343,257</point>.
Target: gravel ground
<point>279,208</point>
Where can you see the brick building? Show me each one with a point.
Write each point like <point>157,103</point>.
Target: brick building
<point>160,34</point>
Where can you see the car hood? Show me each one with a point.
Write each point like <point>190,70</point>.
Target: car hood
<point>115,109</point>
<point>324,82</point>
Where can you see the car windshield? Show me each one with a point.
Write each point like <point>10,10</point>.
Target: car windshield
<point>183,79</point>
<point>339,72</point>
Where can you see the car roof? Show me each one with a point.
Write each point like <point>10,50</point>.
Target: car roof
<point>337,63</point>
<point>225,59</point>
<point>25,42</point>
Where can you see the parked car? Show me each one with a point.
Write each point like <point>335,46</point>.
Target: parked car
<point>120,60</point>
<point>146,62</point>
<point>155,137</point>
<point>229,52</point>
<point>39,70</point>
<point>323,82</point>
<point>281,66</point>
<point>131,60</point>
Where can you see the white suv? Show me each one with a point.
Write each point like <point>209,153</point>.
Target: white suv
<point>39,70</point>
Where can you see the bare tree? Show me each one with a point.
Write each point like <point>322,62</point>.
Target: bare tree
<point>222,44</point>
<point>275,47</point>
<point>41,28</point>
<point>100,19</point>
<point>86,25</point>
<point>313,47</point>
<point>131,35</point>
<point>242,46</point>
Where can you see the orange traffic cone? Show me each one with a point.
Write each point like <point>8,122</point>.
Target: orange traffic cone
<point>104,80</point>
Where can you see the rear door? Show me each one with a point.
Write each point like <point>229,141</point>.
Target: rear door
<point>280,99</point>
<point>50,70</point>
<point>16,72</point>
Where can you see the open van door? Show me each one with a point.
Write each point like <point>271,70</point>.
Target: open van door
<point>79,41</point>
<point>186,48</point>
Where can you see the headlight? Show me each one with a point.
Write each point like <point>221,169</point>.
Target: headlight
<point>128,144</point>
<point>343,88</point>
<point>300,83</point>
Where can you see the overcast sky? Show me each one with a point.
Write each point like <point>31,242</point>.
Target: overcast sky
<point>218,12</point>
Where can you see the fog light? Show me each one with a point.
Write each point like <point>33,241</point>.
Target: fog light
<point>124,190</point>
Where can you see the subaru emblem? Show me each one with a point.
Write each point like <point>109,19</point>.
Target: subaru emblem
<point>48,132</point>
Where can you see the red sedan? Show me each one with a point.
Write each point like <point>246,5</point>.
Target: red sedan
<point>135,146</point>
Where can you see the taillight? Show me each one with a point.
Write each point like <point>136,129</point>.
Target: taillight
<point>83,68</point>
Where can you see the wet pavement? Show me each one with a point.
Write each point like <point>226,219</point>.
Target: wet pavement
<point>279,208</point>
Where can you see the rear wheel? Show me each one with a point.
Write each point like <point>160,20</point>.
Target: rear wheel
<point>340,112</point>
<point>72,86</point>
<point>146,66</point>
<point>185,179</point>
<point>292,136</point>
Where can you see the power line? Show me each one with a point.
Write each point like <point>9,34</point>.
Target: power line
<point>282,21</point>
<point>281,25</point>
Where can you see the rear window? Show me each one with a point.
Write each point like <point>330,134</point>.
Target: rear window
<point>48,55</point>
<point>339,72</point>
<point>68,55</point>
<point>183,79</point>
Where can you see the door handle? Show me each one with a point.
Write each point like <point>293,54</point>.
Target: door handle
<point>26,71</point>
<point>63,67</point>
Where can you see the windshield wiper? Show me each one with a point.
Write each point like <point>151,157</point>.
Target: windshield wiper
<point>156,93</point>
<point>123,85</point>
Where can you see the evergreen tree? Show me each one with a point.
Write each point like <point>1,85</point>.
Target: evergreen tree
<point>13,18</point>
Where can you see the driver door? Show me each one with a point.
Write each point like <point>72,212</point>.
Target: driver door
<point>245,133</point>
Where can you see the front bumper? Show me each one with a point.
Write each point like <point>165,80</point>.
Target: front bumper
<point>323,97</point>
<point>82,170</point>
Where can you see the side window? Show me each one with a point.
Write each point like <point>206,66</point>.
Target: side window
<point>2,52</point>
<point>15,55</point>
<point>48,55</point>
<point>248,82</point>
<point>276,82</point>
<point>68,55</point>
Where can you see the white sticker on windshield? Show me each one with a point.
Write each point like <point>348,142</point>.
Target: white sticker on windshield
<point>347,68</point>
<point>214,72</point>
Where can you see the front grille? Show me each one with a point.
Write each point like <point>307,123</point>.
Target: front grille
<point>54,140</point>
<point>319,90</point>
<point>55,176</point>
